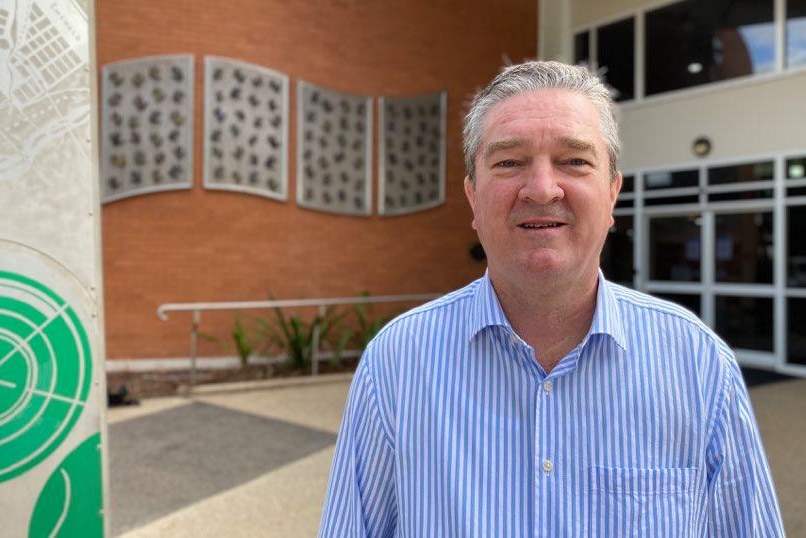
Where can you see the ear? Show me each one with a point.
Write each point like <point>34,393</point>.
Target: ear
<point>470,193</point>
<point>615,188</point>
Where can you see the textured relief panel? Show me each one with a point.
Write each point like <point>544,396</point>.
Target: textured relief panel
<point>245,128</point>
<point>334,150</point>
<point>412,160</point>
<point>147,126</point>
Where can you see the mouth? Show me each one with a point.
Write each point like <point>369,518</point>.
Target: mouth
<point>540,226</point>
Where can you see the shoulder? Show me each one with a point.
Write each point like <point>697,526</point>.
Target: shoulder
<point>629,298</point>
<point>434,314</point>
<point>410,344</point>
<point>678,342</point>
<point>667,330</point>
<point>427,330</point>
<point>640,309</point>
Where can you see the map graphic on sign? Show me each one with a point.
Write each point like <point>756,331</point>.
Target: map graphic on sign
<point>43,89</point>
<point>45,372</point>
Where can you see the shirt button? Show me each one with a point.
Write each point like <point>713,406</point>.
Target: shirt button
<point>547,386</point>
<point>548,466</point>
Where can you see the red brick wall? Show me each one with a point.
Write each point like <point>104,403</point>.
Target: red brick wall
<point>203,245</point>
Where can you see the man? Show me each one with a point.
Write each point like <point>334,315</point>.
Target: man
<point>542,400</point>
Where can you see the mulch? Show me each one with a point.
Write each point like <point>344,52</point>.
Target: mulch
<point>127,388</point>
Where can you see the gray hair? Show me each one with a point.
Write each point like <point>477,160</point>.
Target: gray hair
<point>535,76</point>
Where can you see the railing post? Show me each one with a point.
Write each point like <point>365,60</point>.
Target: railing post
<point>194,339</point>
<point>315,339</point>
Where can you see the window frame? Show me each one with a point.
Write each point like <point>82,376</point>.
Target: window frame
<point>779,71</point>
<point>707,288</point>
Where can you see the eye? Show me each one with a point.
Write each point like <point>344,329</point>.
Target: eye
<point>508,163</point>
<point>577,162</point>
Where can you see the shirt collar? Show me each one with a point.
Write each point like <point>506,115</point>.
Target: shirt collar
<point>487,311</point>
<point>606,318</point>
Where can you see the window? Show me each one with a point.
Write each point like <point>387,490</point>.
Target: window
<point>691,43</point>
<point>671,180</point>
<point>688,301</point>
<point>796,168</point>
<point>628,184</point>
<point>744,248</point>
<point>680,187</point>
<point>745,322</point>
<point>675,248</point>
<point>694,42</point>
<point>795,33</point>
<point>720,257</point>
<point>796,330</point>
<point>617,255</point>
<point>796,249</point>
<point>626,199</point>
<point>582,48</point>
<point>615,58</point>
<point>734,175</point>
<point>741,172</point>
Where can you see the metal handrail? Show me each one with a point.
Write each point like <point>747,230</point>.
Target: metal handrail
<point>321,304</point>
<point>162,310</point>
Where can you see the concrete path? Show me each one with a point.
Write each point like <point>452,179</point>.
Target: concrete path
<point>262,471</point>
<point>245,489</point>
<point>781,414</point>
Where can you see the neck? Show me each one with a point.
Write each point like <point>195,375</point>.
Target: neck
<point>553,319</point>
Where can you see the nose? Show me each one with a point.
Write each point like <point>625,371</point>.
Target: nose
<point>541,185</point>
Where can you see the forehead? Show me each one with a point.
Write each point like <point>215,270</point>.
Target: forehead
<point>550,112</point>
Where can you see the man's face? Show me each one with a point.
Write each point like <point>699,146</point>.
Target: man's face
<point>543,197</point>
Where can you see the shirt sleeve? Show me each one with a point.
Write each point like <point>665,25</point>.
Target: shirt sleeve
<point>360,499</point>
<point>742,496</point>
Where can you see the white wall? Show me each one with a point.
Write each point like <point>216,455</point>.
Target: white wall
<point>555,41</point>
<point>742,119</point>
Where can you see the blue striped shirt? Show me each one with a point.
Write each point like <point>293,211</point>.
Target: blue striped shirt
<point>452,429</point>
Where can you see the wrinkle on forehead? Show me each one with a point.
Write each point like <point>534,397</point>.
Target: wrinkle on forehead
<point>548,117</point>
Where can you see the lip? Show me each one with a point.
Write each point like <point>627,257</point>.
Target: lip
<point>541,225</point>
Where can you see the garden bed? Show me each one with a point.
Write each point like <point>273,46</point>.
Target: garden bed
<point>131,386</point>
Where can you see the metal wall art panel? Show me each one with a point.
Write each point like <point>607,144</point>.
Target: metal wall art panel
<point>245,128</point>
<point>334,150</point>
<point>412,153</point>
<point>147,126</point>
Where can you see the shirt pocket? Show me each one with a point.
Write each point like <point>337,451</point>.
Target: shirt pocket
<point>641,502</point>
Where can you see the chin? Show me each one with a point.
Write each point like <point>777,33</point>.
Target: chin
<point>545,264</point>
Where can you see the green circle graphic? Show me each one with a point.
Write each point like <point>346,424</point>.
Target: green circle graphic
<point>70,505</point>
<point>45,372</point>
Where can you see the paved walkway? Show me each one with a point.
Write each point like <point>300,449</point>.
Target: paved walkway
<point>255,462</point>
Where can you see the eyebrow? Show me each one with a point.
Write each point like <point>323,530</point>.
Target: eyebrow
<point>499,145</point>
<point>567,141</point>
<point>578,144</point>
